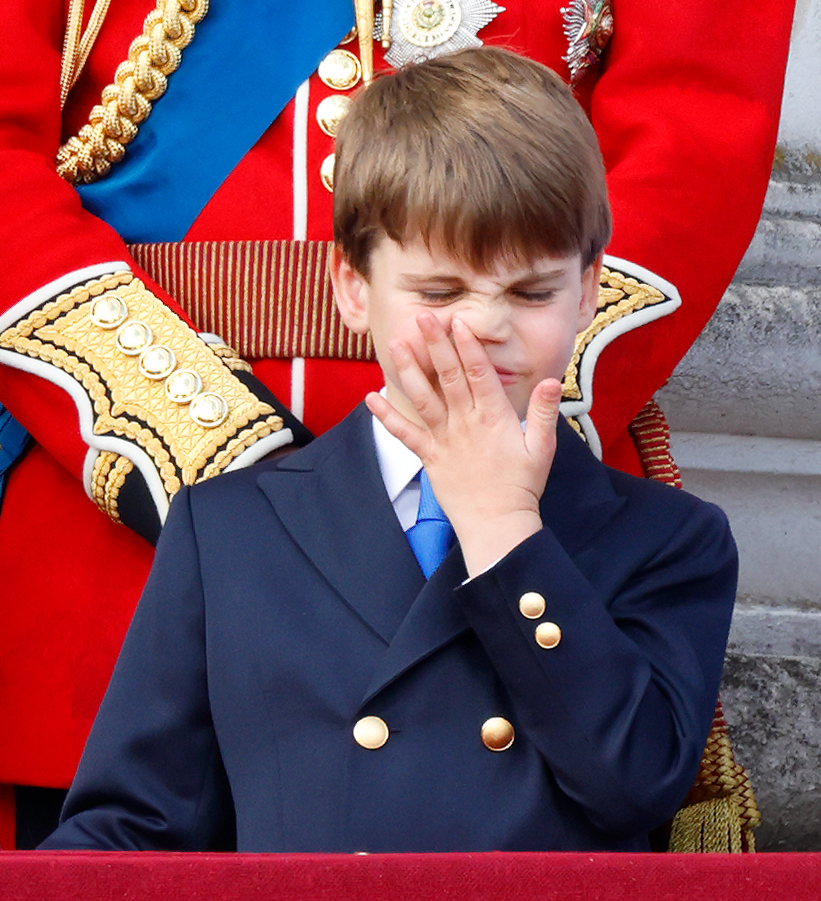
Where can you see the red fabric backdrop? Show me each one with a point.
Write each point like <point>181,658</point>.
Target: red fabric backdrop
<point>117,876</point>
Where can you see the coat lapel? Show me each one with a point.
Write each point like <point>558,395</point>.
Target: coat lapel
<point>331,499</point>
<point>434,619</point>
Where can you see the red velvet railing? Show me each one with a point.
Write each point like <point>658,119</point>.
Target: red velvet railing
<point>92,876</point>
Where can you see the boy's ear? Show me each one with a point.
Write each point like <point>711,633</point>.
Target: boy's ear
<point>350,292</point>
<point>589,301</point>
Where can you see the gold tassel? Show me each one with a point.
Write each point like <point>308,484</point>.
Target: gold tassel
<point>710,827</point>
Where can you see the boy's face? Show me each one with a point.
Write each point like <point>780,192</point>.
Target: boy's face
<point>526,315</point>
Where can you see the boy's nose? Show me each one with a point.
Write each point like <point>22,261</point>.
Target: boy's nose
<point>487,321</point>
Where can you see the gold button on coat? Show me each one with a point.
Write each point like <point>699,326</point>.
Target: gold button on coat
<point>371,732</point>
<point>340,70</point>
<point>326,171</point>
<point>548,635</point>
<point>497,733</point>
<point>330,113</point>
<point>531,605</point>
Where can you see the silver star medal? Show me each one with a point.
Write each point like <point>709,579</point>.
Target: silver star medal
<point>422,29</point>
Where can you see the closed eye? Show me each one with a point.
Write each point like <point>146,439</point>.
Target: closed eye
<point>446,295</point>
<point>535,296</point>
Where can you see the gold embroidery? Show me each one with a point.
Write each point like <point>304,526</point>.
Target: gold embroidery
<point>619,295</point>
<point>231,358</point>
<point>130,406</point>
<point>108,477</point>
<point>126,103</point>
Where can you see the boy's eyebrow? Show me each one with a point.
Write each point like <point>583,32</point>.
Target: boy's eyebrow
<point>414,279</point>
<point>526,280</point>
<point>539,278</point>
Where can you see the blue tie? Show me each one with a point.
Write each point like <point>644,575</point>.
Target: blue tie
<point>431,537</point>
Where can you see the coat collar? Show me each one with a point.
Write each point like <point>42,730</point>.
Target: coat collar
<point>331,499</point>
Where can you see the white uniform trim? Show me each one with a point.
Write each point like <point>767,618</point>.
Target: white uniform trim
<point>580,409</point>
<point>59,286</point>
<point>300,181</point>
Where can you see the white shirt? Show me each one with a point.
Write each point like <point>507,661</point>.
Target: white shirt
<point>399,467</point>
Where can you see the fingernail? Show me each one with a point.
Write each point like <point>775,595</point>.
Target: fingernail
<point>425,321</point>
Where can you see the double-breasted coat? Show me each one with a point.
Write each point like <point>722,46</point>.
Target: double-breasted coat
<point>286,611</point>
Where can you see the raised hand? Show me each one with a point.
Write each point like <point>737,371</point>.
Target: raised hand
<point>487,473</point>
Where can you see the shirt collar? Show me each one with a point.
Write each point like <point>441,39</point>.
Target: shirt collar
<point>397,464</point>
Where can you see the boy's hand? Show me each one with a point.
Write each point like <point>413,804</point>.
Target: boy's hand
<point>487,473</point>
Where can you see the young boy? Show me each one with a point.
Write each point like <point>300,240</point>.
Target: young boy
<point>291,680</point>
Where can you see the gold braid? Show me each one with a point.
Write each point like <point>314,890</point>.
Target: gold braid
<point>126,103</point>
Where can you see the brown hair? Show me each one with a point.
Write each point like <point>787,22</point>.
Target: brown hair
<point>482,150</point>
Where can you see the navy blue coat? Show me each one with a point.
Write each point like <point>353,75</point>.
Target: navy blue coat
<point>285,604</point>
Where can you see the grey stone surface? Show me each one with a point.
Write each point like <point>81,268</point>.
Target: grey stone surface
<point>797,196</point>
<point>783,252</point>
<point>756,369</point>
<point>773,711</point>
<point>776,630</point>
<point>800,122</point>
<point>747,453</point>
<point>776,520</point>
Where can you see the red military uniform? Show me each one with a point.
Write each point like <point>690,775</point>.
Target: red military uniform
<point>685,100</point>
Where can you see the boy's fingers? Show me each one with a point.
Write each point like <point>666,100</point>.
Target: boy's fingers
<point>400,427</point>
<point>446,361</point>
<point>482,378</point>
<point>415,384</point>
<point>542,417</point>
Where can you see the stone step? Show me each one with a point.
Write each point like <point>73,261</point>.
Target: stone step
<point>784,251</point>
<point>756,368</point>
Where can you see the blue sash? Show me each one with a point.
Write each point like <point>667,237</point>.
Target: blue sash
<point>14,439</point>
<point>246,61</point>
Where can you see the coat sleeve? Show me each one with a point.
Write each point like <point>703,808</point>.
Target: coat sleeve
<point>152,776</point>
<point>62,374</point>
<point>685,103</point>
<point>621,706</point>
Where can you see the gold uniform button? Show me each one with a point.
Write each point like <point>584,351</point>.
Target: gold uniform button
<point>340,70</point>
<point>183,386</point>
<point>326,172</point>
<point>157,362</point>
<point>371,732</point>
<point>497,733</point>
<point>108,311</point>
<point>209,410</point>
<point>531,605</point>
<point>347,40</point>
<point>331,111</point>
<point>548,635</point>
<point>133,338</point>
